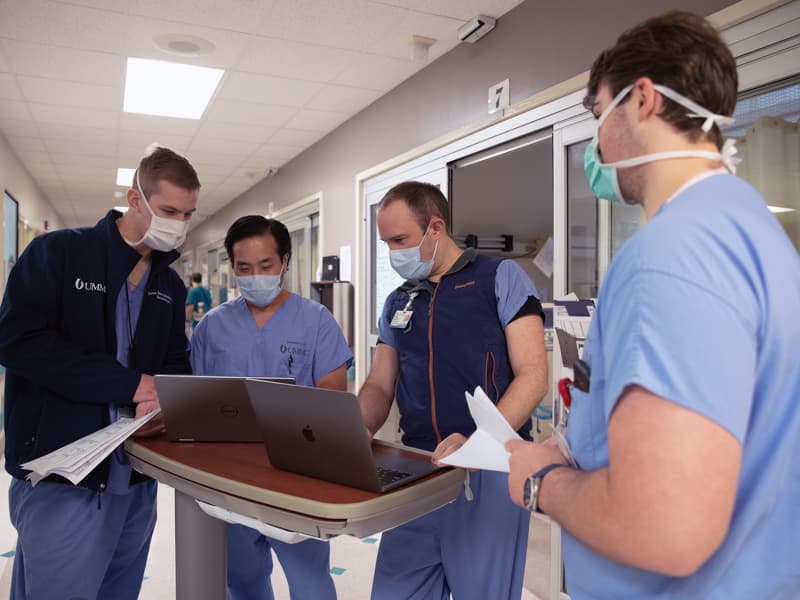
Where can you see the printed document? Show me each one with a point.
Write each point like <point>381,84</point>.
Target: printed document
<point>76,460</point>
<point>485,449</point>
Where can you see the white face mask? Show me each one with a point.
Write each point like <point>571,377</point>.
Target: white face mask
<point>260,290</point>
<point>603,178</point>
<point>163,234</point>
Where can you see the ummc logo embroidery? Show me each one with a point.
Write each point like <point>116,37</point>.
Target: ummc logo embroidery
<point>89,286</point>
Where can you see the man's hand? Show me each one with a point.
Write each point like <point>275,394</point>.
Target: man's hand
<point>146,400</point>
<point>448,445</point>
<point>525,460</point>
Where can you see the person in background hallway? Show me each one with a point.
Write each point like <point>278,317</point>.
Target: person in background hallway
<point>271,332</point>
<point>89,315</point>
<point>688,434</point>
<point>476,320</point>
<point>198,300</point>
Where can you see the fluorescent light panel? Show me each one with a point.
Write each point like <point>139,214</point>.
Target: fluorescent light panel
<point>125,177</point>
<point>167,89</point>
<point>121,209</point>
<point>780,209</point>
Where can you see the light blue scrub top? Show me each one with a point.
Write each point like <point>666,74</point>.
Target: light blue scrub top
<point>701,307</point>
<point>127,317</point>
<point>301,340</point>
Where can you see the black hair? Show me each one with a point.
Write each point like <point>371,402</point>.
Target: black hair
<point>254,226</point>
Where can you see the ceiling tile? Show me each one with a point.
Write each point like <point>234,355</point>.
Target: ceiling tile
<point>26,143</point>
<point>460,9</point>
<point>206,144</point>
<point>141,33</point>
<point>264,89</point>
<point>397,42</point>
<point>212,168</point>
<point>202,156</point>
<point>32,156</point>
<point>343,99</point>
<point>8,87</point>
<point>317,120</point>
<point>283,58</point>
<point>63,25</point>
<point>244,132</point>
<point>149,123</point>
<point>295,137</point>
<point>235,111</point>
<point>80,148</point>
<point>77,133</point>
<point>374,72</point>
<point>17,128</point>
<point>73,115</point>
<point>15,110</point>
<point>64,63</point>
<point>353,25</point>
<point>43,172</point>
<point>272,155</point>
<point>108,162</point>
<point>68,93</point>
<point>138,141</point>
<point>74,174</point>
<point>236,15</point>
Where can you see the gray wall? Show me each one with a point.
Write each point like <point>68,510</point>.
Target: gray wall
<point>536,45</point>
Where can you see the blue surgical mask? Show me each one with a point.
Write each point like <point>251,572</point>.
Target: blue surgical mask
<point>603,179</point>
<point>408,263</point>
<point>260,290</point>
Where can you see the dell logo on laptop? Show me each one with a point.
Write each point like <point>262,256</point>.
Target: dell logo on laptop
<point>228,411</point>
<point>308,433</point>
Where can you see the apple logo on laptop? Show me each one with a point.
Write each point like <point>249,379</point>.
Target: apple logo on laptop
<point>308,433</point>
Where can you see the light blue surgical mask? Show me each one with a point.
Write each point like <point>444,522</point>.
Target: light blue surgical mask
<point>408,263</point>
<point>260,290</point>
<point>603,178</point>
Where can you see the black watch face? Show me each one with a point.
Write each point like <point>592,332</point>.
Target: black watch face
<point>526,492</point>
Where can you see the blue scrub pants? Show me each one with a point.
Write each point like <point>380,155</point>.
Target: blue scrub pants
<point>68,546</point>
<point>472,549</point>
<point>306,565</point>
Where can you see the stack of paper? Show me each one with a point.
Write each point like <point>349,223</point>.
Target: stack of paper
<point>76,460</point>
<point>485,449</point>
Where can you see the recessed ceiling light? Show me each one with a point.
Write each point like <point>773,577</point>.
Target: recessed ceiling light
<point>167,89</point>
<point>125,177</point>
<point>121,209</point>
<point>780,209</point>
<point>183,45</point>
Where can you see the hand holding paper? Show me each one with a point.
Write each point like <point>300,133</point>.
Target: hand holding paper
<point>485,448</point>
<point>76,460</point>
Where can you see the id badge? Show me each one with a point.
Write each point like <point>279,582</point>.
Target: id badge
<point>401,319</point>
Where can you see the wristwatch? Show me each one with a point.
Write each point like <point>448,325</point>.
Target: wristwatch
<point>530,493</point>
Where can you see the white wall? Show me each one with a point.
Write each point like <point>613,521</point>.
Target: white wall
<point>33,205</point>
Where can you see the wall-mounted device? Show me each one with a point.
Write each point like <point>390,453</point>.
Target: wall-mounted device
<point>476,28</point>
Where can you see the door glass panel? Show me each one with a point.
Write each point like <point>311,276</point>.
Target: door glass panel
<point>582,221</point>
<point>767,133</point>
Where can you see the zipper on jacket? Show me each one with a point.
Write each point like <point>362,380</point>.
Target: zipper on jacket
<point>100,491</point>
<point>430,364</point>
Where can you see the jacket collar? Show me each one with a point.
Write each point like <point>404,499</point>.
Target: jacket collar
<point>122,252</point>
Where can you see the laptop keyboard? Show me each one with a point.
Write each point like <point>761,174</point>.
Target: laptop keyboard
<point>389,476</point>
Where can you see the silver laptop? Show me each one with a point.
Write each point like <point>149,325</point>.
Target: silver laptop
<point>321,433</point>
<point>201,408</point>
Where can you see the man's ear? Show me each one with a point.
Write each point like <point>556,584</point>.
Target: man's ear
<point>133,199</point>
<point>649,102</point>
<point>437,225</point>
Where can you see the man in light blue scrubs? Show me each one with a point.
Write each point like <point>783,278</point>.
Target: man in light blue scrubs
<point>687,436</point>
<point>270,332</point>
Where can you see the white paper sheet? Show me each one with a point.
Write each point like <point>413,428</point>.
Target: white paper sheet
<point>485,449</point>
<point>76,460</point>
